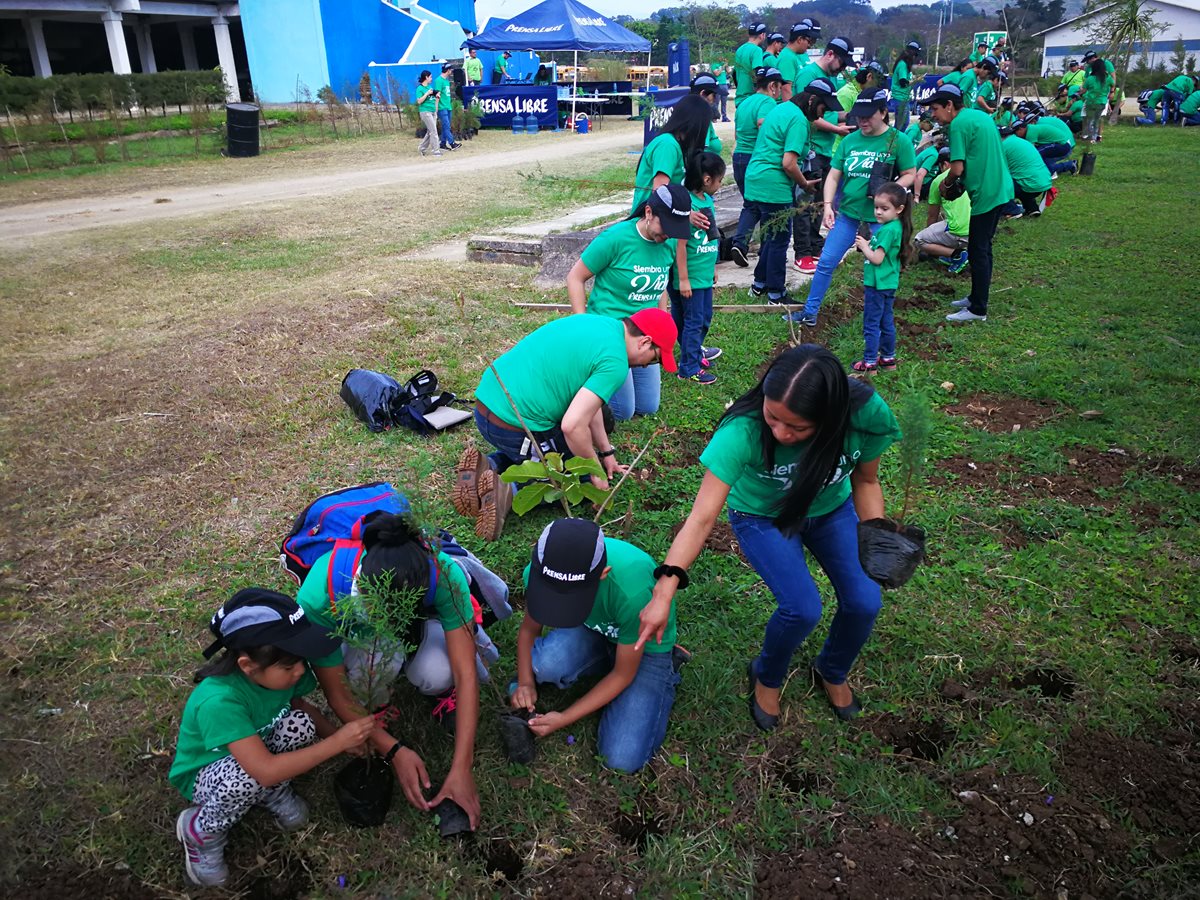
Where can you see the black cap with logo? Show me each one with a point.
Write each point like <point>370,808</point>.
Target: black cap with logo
<point>565,569</point>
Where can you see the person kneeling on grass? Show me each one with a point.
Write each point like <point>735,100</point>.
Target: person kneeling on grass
<point>797,460</point>
<point>396,557</point>
<point>944,237</point>
<point>1030,177</point>
<point>247,730</point>
<point>692,280</point>
<point>591,589</point>
<point>558,378</point>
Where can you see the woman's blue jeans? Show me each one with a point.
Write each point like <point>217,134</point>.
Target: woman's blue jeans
<point>837,242</point>
<point>633,725</point>
<point>640,394</point>
<point>771,270</point>
<point>693,316</point>
<point>901,115</point>
<point>779,559</point>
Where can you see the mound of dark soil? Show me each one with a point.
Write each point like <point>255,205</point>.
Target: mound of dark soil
<point>1002,415</point>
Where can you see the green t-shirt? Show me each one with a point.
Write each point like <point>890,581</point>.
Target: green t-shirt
<point>631,272</point>
<point>1181,84</point>
<point>1026,165</point>
<point>444,85</point>
<point>663,155</point>
<point>723,76</point>
<point>785,130</point>
<point>1095,90</point>
<point>734,455</point>
<point>846,95</point>
<point>807,76</point>
<point>927,160</point>
<point>500,69</point>
<point>986,93</point>
<point>975,140</point>
<point>712,143</point>
<point>967,82</point>
<point>548,367</point>
<point>701,249</point>
<point>914,133</point>
<point>222,710</point>
<point>429,104</point>
<point>886,275</point>
<point>748,58</point>
<point>1050,130</point>
<point>977,56</point>
<point>473,68</point>
<point>1188,107</point>
<point>622,596</point>
<point>901,81</point>
<point>1004,118</point>
<point>823,141</point>
<point>745,120</point>
<point>790,63</point>
<point>1073,79</point>
<point>855,157</point>
<point>1076,110</point>
<point>451,600</point>
<point>956,212</point>
<point>771,60</point>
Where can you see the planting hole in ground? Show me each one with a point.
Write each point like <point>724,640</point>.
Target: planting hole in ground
<point>800,781</point>
<point>501,858</point>
<point>1003,415</point>
<point>920,740</point>
<point>1051,682</point>
<point>286,878</point>
<point>636,829</point>
<point>1184,651</point>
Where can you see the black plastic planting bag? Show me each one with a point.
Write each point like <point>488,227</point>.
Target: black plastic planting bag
<point>363,789</point>
<point>519,746</point>
<point>371,396</point>
<point>890,552</point>
<point>451,819</point>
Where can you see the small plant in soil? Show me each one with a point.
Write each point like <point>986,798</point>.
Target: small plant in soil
<point>376,621</point>
<point>889,550</point>
<point>555,480</point>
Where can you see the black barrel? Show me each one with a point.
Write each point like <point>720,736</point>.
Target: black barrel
<point>241,125</point>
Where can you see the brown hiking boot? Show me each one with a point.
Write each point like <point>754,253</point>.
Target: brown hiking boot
<point>471,465</point>
<point>495,500</point>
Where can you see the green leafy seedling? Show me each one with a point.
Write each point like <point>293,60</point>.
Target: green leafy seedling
<point>555,480</point>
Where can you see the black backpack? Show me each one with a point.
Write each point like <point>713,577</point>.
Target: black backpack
<point>381,402</point>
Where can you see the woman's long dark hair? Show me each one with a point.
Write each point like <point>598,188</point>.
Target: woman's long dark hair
<point>395,546</point>
<point>909,58</point>
<point>688,123</point>
<point>1099,70</point>
<point>703,163</point>
<point>808,104</point>
<point>227,662</point>
<point>810,381</point>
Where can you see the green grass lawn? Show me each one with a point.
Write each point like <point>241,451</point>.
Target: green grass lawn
<point>1042,664</point>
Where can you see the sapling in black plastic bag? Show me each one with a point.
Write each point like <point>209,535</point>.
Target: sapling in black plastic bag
<point>889,550</point>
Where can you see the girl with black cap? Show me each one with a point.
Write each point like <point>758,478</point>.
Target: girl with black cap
<point>247,730</point>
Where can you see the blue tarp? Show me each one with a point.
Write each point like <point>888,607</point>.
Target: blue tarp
<point>559,25</point>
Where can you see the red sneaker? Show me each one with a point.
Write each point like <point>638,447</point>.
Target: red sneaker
<point>807,264</point>
<point>1051,195</point>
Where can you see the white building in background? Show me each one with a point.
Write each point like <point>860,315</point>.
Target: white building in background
<point>1068,40</point>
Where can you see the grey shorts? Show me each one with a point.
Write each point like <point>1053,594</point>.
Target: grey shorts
<point>939,233</point>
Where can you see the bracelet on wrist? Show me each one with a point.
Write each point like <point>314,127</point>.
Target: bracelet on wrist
<point>391,754</point>
<point>678,572</point>
<point>602,454</point>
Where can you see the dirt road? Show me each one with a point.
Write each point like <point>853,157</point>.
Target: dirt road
<point>29,222</point>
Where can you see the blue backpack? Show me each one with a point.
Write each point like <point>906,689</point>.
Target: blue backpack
<point>332,518</point>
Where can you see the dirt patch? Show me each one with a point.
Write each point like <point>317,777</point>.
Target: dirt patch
<point>501,859</point>
<point>65,883</point>
<point>582,877</point>
<point>636,829</point>
<point>1002,415</point>
<point>1051,683</point>
<point>720,540</point>
<point>926,740</point>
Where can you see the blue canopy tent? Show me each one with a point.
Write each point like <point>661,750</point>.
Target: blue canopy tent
<point>559,26</point>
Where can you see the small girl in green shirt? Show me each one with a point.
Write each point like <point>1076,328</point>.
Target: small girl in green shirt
<point>886,252</point>
<point>691,287</point>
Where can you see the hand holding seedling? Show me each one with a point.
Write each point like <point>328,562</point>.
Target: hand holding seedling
<point>547,723</point>
<point>351,737</point>
<point>524,697</point>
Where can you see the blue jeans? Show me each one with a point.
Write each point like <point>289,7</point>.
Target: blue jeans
<point>508,443</point>
<point>1057,156</point>
<point>779,559</point>
<point>633,725</point>
<point>640,394</point>
<point>901,123</point>
<point>837,242</point>
<point>447,134</point>
<point>693,316</point>
<point>723,98</point>
<point>879,325</point>
<point>1171,102</point>
<point>740,162</point>
<point>771,271</point>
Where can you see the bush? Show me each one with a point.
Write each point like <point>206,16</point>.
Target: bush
<point>79,93</point>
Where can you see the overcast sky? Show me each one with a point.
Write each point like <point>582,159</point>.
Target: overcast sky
<point>506,9</point>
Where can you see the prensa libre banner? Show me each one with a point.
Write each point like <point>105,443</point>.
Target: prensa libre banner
<point>498,103</point>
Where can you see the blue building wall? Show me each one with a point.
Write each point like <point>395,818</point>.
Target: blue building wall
<point>358,32</point>
<point>285,45</point>
<point>461,11</point>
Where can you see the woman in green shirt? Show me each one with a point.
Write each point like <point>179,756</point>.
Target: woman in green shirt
<point>664,161</point>
<point>797,460</point>
<point>1096,87</point>
<point>902,77</point>
<point>427,104</point>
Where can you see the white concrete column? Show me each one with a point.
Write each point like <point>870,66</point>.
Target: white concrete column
<point>225,58</point>
<point>37,47</point>
<point>188,42</point>
<point>145,48</point>
<point>114,30</point>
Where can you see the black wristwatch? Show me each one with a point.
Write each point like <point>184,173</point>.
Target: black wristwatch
<point>601,454</point>
<point>679,573</point>
<point>391,754</point>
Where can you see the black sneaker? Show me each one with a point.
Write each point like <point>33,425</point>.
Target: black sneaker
<point>757,291</point>
<point>783,300</point>
<point>739,257</point>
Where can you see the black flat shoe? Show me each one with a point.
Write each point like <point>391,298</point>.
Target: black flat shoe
<point>764,720</point>
<point>846,713</point>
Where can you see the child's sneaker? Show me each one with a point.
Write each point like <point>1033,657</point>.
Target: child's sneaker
<point>445,711</point>
<point>862,367</point>
<point>203,853</point>
<point>757,291</point>
<point>289,808</point>
<point>701,377</point>
<point>958,262</point>
<point>708,354</point>
<point>888,363</point>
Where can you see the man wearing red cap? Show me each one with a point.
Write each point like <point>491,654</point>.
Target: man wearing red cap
<point>556,378</point>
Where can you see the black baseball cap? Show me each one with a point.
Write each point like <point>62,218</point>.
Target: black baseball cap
<point>1090,55</point>
<point>913,45</point>
<point>1008,130</point>
<point>945,94</point>
<point>672,204</point>
<point>257,617</point>
<point>776,38</point>
<point>768,72</point>
<point>874,66</point>
<point>843,47</point>
<point>823,88</point>
<point>704,82</point>
<point>565,569</point>
<point>756,28</point>
<point>869,103</point>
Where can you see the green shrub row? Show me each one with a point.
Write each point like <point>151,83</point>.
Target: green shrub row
<point>103,90</point>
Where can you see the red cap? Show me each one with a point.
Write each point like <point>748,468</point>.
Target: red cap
<point>658,325</point>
